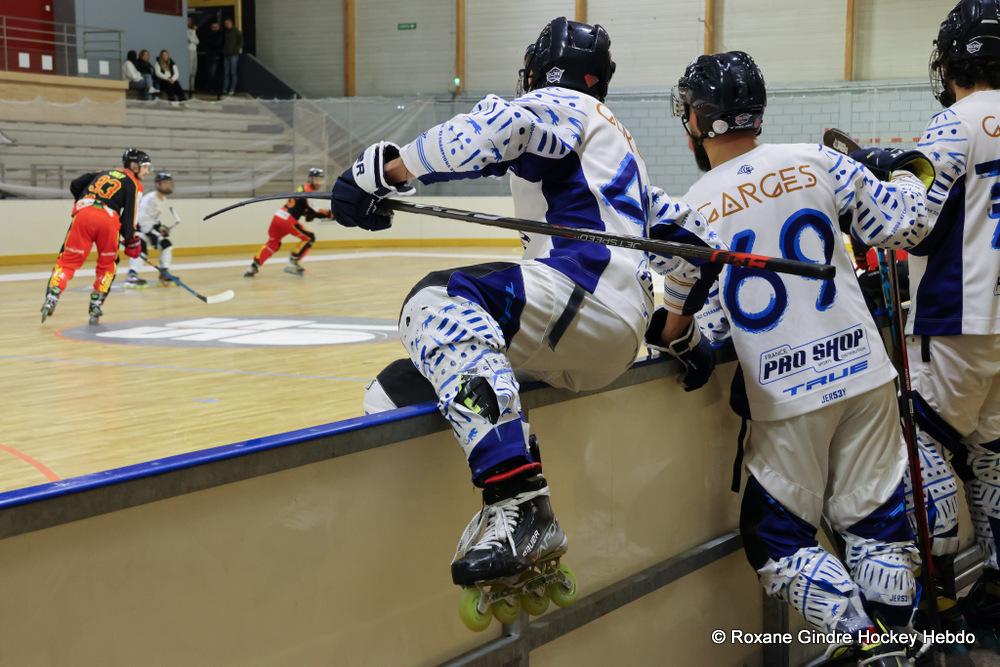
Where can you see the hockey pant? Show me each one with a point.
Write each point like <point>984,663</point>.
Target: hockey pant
<point>151,240</point>
<point>956,384</point>
<point>91,226</point>
<point>282,225</point>
<point>844,462</point>
<point>475,331</point>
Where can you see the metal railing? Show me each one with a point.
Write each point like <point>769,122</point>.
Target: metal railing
<point>53,47</point>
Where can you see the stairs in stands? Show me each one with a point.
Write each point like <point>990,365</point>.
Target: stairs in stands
<point>232,147</point>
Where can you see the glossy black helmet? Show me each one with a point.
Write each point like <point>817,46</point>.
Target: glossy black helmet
<point>162,176</point>
<point>135,155</point>
<point>967,47</point>
<point>726,91</point>
<point>316,172</point>
<point>571,55</point>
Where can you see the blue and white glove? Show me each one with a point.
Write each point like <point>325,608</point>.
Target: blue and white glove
<point>358,191</point>
<point>692,350</point>
<point>882,162</point>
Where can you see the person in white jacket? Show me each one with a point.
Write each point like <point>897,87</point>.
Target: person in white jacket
<point>169,77</point>
<point>193,41</point>
<point>137,80</point>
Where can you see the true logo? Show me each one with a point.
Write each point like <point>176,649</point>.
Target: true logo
<point>743,118</point>
<point>745,169</point>
<point>555,75</point>
<point>974,46</point>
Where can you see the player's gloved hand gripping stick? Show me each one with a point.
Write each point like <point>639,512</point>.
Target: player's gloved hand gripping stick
<point>882,162</point>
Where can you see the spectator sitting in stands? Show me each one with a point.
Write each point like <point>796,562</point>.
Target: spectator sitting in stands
<point>136,79</point>
<point>145,67</point>
<point>169,76</point>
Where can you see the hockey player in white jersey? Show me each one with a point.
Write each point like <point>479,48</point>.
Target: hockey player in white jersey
<point>816,382</point>
<point>153,230</point>
<point>954,321</point>
<point>570,313</point>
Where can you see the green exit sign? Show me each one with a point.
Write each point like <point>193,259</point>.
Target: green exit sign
<point>406,26</point>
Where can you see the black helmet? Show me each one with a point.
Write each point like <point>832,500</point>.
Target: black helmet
<point>726,92</point>
<point>569,54</point>
<point>316,172</point>
<point>970,32</point>
<point>135,155</point>
<point>163,176</point>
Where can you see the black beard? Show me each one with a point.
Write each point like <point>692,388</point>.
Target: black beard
<point>700,156</point>
<point>946,98</point>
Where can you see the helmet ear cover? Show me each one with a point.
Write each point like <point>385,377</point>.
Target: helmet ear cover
<point>726,92</point>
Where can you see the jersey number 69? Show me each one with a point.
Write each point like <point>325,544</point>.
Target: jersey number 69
<point>790,242</point>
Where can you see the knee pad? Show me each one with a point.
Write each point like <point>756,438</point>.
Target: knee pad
<point>165,243</point>
<point>312,237</point>
<point>940,496</point>
<point>770,531</point>
<point>399,384</point>
<point>883,572</point>
<point>983,494</point>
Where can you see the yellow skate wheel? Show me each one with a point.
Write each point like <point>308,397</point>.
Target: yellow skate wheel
<point>564,594</point>
<point>535,604</point>
<point>506,612</point>
<point>468,611</point>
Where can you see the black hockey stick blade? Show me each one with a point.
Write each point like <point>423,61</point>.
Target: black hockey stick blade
<point>656,246</point>
<point>839,141</point>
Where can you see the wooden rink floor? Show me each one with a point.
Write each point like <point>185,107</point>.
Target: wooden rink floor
<point>75,402</point>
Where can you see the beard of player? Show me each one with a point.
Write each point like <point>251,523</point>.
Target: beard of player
<point>700,154</point>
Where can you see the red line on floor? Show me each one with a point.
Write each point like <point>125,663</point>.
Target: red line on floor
<point>38,465</point>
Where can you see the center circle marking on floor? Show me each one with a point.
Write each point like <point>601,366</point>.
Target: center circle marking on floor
<point>239,332</point>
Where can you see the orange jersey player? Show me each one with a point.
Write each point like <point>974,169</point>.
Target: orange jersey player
<point>105,208</point>
<point>286,221</point>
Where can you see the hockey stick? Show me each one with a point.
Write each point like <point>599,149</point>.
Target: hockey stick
<point>776,264</point>
<point>211,299</point>
<point>842,142</point>
<point>177,220</point>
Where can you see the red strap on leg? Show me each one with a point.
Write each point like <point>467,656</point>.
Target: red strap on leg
<point>520,471</point>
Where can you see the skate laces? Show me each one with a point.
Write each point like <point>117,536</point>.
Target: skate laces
<point>497,522</point>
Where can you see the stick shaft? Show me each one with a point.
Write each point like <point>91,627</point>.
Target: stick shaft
<point>690,252</point>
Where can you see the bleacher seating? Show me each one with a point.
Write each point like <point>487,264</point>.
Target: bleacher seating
<point>214,148</point>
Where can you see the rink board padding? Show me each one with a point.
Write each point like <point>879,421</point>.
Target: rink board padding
<point>331,545</point>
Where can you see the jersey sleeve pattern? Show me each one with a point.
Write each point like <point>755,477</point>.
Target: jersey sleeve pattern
<point>686,282</point>
<point>886,214</point>
<point>946,143</point>
<point>488,140</point>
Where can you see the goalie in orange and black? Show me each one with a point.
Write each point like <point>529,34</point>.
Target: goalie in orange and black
<point>105,208</point>
<point>287,221</point>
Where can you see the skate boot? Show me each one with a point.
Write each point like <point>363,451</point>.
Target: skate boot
<point>981,609</point>
<point>294,267</point>
<point>133,281</point>
<point>96,301</point>
<point>166,280</point>
<point>51,299</point>
<point>508,556</point>
<point>253,270</point>
<point>867,649</point>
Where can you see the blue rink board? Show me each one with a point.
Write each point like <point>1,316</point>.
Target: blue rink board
<point>97,480</point>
